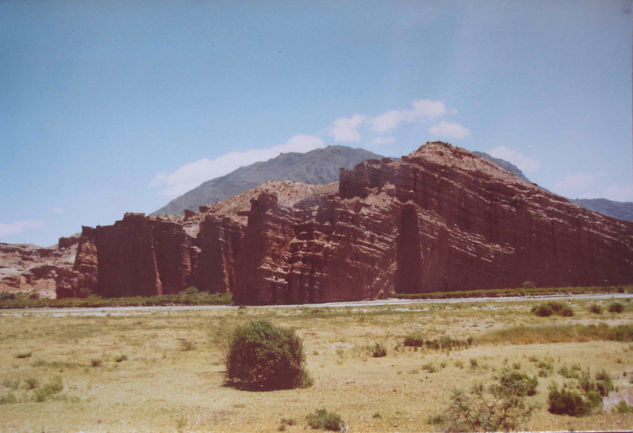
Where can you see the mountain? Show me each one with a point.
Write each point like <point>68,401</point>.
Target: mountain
<point>315,167</point>
<point>615,209</point>
<point>504,164</point>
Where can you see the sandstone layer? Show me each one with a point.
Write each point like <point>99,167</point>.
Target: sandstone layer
<point>440,218</point>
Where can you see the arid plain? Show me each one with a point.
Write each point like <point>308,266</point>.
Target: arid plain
<point>163,371</point>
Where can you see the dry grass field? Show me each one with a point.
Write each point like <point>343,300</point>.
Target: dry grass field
<point>164,371</point>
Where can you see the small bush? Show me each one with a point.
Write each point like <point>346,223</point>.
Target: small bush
<point>516,383</point>
<point>288,421</point>
<point>262,356</point>
<point>322,419</point>
<point>31,383</point>
<point>186,345</point>
<point>542,310</point>
<point>11,383</point>
<point>430,368</point>
<point>437,419</point>
<point>595,309</point>
<point>616,307</point>
<point>623,408</point>
<point>48,390</point>
<point>23,355</point>
<point>494,410</point>
<point>120,358</point>
<point>95,362</point>
<point>413,341</point>
<point>8,398</point>
<point>378,351</point>
<point>568,402</point>
<point>546,310</point>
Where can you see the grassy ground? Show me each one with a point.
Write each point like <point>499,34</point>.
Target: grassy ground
<point>187,297</point>
<point>164,371</point>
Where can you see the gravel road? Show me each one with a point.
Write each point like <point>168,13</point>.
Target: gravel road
<point>122,311</point>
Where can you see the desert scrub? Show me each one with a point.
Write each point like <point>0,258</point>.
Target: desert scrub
<point>496,408</point>
<point>616,307</point>
<point>595,309</point>
<point>49,389</point>
<point>546,310</point>
<point>569,402</point>
<point>444,343</point>
<point>262,356</point>
<point>517,383</point>
<point>324,420</point>
<point>378,351</point>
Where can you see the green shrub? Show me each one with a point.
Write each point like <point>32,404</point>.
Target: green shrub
<point>568,402</point>
<point>516,383</point>
<point>262,356</point>
<point>120,358</point>
<point>378,351</point>
<point>623,408</point>
<point>322,419</point>
<point>95,362</point>
<point>23,355</point>
<point>481,410</point>
<point>595,309</point>
<point>616,307</point>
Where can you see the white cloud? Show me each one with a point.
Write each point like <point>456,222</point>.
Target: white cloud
<point>449,130</point>
<point>576,185</point>
<point>387,121</point>
<point>525,163</point>
<point>194,173</point>
<point>345,129</point>
<point>57,210</point>
<point>420,109</point>
<point>426,107</point>
<point>19,227</point>
<point>384,140</point>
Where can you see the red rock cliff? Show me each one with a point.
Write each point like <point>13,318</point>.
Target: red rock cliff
<point>440,218</point>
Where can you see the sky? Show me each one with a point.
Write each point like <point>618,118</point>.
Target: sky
<point>115,106</point>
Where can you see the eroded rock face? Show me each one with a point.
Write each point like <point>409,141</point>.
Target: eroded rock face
<point>481,227</point>
<point>33,269</point>
<point>81,280</point>
<point>440,218</point>
<point>220,243</point>
<point>127,264</point>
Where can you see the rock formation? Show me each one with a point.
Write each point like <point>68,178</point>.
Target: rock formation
<point>440,218</point>
<point>32,269</point>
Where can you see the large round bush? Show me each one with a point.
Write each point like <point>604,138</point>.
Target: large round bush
<point>262,356</point>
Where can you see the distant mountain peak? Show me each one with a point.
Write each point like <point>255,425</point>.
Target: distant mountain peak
<point>318,166</point>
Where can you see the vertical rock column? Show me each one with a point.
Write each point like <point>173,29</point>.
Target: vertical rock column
<point>171,246</point>
<point>263,263</point>
<point>126,258</point>
<point>409,273</point>
<point>220,242</point>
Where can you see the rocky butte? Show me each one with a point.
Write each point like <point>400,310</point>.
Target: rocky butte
<point>441,218</point>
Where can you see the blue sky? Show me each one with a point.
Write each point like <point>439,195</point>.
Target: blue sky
<point>115,106</point>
